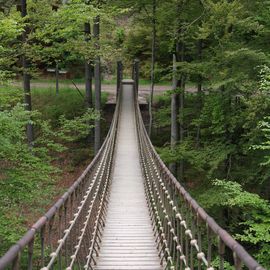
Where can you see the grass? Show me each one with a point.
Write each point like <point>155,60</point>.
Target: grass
<point>69,102</point>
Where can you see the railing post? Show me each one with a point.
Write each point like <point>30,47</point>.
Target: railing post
<point>119,77</point>
<point>133,72</point>
<point>30,254</point>
<point>16,262</point>
<point>135,76</point>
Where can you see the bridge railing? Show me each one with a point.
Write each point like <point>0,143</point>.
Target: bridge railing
<point>68,235</point>
<point>186,235</point>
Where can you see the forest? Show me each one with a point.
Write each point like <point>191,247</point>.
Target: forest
<point>210,123</point>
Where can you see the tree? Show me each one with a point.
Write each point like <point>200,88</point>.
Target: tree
<point>26,77</point>
<point>174,115</point>
<point>97,85</point>
<point>153,61</point>
<point>88,70</point>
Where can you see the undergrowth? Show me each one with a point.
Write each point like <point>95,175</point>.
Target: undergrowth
<point>29,177</point>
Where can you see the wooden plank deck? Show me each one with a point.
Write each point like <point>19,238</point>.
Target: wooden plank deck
<point>128,242</point>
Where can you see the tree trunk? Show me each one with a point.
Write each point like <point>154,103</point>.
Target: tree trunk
<point>88,71</point>
<point>97,86</point>
<point>26,79</point>
<point>57,78</point>
<point>152,67</point>
<point>182,130</point>
<point>199,93</point>
<point>227,107</point>
<point>180,53</point>
<point>174,116</point>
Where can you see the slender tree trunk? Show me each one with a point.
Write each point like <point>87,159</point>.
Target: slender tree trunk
<point>57,78</point>
<point>88,85</point>
<point>180,53</point>
<point>227,107</point>
<point>26,79</point>
<point>152,67</point>
<point>88,71</point>
<point>97,86</point>
<point>199,93</point>
<point>174,116</point>
<point>88,79</point>
<point>182,130</point>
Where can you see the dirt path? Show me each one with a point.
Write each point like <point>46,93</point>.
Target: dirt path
<point>144,90</point>
<point>110,88</point>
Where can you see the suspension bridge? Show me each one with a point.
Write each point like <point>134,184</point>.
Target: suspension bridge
<point>127,211</point>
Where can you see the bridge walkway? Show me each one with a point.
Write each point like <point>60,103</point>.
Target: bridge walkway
<point>128,241</point>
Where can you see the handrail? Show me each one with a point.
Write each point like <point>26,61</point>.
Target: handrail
<point>78,212</point>
<point>183,228</point>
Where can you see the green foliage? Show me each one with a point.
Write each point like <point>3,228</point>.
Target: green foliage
<point>24,168</point>
<point>162,115</point>
<point>253,214</point>
<point>264,127</point>
<point>11,28</point>
<point>9,97</point>
<point>226,125</point>
<point>233,144</point>
<point>68,103</point>
<point>27,175</point>
<point>54,36</point>
<point>78,127</point>
<point>207,163</point>
<point>58,36</point>
<point>233,196</point>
